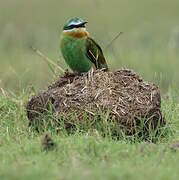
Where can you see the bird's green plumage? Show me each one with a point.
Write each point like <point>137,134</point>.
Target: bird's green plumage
<point>95,54</point>
<point>74,53</point>
<point>80,51</point>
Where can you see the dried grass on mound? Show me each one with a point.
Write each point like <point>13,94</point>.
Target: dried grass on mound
<point>122,94</point>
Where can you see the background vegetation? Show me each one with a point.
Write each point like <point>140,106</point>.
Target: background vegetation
<point>149,45</point>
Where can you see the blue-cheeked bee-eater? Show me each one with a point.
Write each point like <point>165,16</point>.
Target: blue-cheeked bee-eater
<point>79,50</point>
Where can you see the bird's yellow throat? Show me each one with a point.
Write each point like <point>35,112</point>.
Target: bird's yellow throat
<point>77,33</point>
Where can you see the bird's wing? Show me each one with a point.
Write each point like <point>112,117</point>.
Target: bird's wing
<point>95,54</point>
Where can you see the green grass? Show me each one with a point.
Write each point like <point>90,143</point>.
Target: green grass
<point>80,157</point>
<point>83,154</point>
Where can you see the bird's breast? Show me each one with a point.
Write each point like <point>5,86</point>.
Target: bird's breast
<point>74,53</point>
<point>79,33</point>
<point>72,48</point>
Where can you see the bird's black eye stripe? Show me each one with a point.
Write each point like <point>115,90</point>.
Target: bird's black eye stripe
<point>75,26</point>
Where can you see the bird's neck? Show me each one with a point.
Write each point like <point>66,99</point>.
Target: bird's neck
<point>77,33</point>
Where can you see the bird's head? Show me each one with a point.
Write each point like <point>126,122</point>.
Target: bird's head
<point>75,27</point>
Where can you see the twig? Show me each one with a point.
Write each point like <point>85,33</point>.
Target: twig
<point>4,93</point>
<point>46,59</point>
<point>112,41</point>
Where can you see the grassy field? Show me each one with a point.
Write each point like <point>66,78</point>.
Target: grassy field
<point>83,154</point>
<point>149,46</point>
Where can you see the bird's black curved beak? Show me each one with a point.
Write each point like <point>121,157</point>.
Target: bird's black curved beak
<point>83,24</point>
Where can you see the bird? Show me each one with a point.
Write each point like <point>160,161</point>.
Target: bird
<point>79,50</point>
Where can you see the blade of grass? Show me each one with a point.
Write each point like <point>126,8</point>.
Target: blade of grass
<point>112,41</point>
<point>46,59</point>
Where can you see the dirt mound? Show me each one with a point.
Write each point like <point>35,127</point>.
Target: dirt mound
<point>121,95</point>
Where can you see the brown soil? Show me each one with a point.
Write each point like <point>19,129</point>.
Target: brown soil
<point>47,143</point>
<point>122,94</point>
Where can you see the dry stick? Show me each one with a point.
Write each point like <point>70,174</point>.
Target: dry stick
<point>4,93</point>
<point>38,52</point>
<point>113,40</point>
